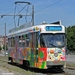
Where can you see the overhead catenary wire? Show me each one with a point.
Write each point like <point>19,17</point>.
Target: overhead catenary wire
<point>8,14</point>
<point>36,11</point>
<point>26,14</point>
<point>10,10</point>
<point>22,7</point>
<point>18,13</point>
<point>26,10</point>
<point>48,6</point>
<point>1,28</point>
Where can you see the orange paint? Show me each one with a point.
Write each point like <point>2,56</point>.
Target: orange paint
<point>52,51</point>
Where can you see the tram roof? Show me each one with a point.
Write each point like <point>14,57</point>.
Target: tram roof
<point>41,26</point>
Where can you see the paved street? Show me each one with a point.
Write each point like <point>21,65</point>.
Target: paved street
<point>70,59</point>
<point>1,71</point>
<point>1,54</point>
<point>5,72</point>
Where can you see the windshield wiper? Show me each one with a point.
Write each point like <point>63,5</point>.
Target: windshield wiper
<point>51,44</point>
<point>55,46</point>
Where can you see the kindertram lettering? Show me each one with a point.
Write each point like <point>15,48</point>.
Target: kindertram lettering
<point>41,46</point>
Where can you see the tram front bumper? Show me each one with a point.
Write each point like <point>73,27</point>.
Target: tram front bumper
<point>55,63</point>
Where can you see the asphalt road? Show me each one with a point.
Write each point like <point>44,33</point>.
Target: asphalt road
<point>70,59</point>
<point>5,72</point>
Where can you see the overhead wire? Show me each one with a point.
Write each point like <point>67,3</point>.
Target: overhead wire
<point>10,10</point>
<point>22,7</point>
<point>2,28</point>
<point>10,23</point>
<point>49,6</point>
<point>17,14</point>
<point>34,12</point>
<point>14,15</point>
<point>8,13</point>
<point>26,14</point>
<point>27,11</point>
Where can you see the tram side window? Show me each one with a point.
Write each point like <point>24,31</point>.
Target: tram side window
<point>12,42</point>
<point>9,42</point>
<point>27,40</point>
<point>22,41</point>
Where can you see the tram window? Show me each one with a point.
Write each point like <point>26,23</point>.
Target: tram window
<point>22,41</point>
<point>27,40</point>
<point>12,42</point>
<point>9,42</point>
<point>35,40</point>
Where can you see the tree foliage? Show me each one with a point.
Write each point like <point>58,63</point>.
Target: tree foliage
<point>0,48</point>
<point>71,38</point>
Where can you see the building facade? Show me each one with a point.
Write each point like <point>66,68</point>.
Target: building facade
<point>3,40</point>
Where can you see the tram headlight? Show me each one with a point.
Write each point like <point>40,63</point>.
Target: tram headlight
<point>55,54</point>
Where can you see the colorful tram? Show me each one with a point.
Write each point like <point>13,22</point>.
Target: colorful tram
<point>41,46</point>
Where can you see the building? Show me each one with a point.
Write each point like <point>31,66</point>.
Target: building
<point>3,40</point>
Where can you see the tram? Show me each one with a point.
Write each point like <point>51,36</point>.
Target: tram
<point>41,46</point>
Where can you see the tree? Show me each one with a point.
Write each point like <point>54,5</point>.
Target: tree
<point>71,38</point>
<point>0,48</point>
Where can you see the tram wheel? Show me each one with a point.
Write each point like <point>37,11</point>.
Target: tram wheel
<point>26,63</point>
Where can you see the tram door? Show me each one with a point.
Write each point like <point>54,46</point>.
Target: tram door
<point>34,47</point>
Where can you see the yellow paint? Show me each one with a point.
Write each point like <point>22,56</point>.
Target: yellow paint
<point>37,28</point>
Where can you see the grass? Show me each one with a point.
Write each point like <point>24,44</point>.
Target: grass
<point>17,70</point>
<point>70,65</point>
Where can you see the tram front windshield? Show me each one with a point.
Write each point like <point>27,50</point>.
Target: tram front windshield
<point>52,40</point>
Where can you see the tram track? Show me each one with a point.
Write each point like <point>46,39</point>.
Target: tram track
<point>72,68</point>
<point>53,71</point>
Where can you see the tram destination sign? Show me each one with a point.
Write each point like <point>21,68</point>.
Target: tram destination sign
<point>53,28</point>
